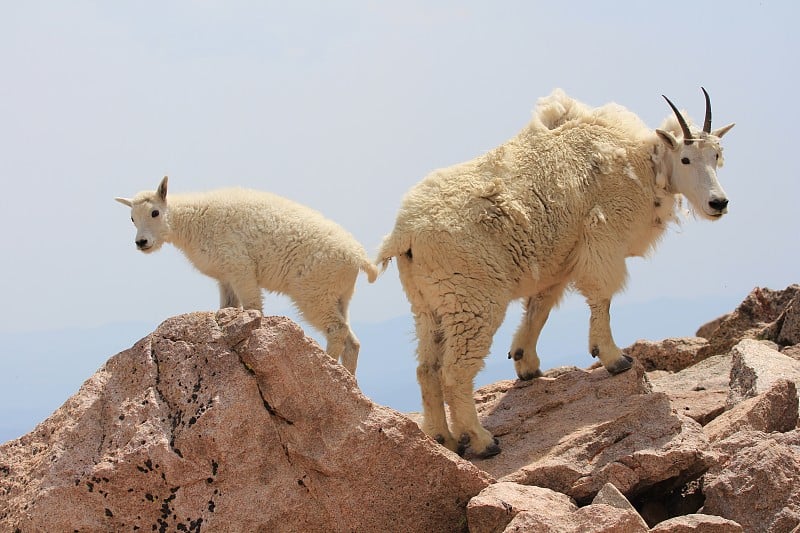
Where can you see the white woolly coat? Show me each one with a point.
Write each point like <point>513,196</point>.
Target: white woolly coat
<point>286,246</point>
<point>534,210</point>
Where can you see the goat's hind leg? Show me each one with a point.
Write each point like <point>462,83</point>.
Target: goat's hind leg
<point>328,314</point>
<point>467,339</point>
<point>429,364</point>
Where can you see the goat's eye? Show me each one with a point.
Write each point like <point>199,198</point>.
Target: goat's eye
<point>154,214</point>
<point>685,161</point>
<point>716,157</point>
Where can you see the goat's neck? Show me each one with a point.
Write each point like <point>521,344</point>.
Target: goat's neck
<point>180,220</point>
<point>666,199</point>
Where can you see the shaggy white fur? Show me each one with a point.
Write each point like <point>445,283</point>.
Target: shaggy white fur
<point>560,205</point>
<point>250,240</point>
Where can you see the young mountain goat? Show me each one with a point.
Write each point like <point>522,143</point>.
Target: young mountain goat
<point>249,240</point>
<point>561,205</point>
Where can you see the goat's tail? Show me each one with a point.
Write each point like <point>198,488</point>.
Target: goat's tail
<point>370,269</point>
<point>393,245</point>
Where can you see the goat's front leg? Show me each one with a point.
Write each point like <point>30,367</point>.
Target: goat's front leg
<point>227,297</point>
<point>601,343</point>
<point>523,347</point>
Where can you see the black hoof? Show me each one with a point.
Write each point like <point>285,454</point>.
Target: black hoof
<point>620,365</point>
<point>463,444</point>
<point>527,376</point>
<point>490,451</point>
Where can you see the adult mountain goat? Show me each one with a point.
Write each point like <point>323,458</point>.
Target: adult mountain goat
<point>249,240</point>
<point>560,205</point>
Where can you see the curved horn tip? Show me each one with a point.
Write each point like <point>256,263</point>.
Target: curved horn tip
<point>707,121</point>
<point>687,134</point>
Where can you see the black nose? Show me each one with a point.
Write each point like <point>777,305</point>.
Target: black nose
<point>718,204</point>
<point>141,243</point>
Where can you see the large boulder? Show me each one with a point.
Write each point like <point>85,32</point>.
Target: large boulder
<point>756,481</point>
<point>230,422</point>
<point>773,410</point>
<point>755,367</point>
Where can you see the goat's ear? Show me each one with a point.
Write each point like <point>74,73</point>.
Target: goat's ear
<point>723,130</point>
<point>125,201</point>
<point>668,138</point>
<point>162,188</point>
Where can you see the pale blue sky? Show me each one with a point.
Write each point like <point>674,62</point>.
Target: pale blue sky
<point>344,106</point>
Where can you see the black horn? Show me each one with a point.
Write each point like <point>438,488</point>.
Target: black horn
<point>687,135</point>
<point>707,122</point>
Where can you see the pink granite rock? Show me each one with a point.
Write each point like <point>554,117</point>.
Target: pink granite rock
<point>773,410</point>
<point>597,518</point>
<point>669,354</point>
<point>751,320</point>
<point>697,523</point>
<point>499,503</point>
<point>755,367</point>
<point>756,482</point>
<point>230,422</point>
<point>699,391</point>
<point>577,432</point>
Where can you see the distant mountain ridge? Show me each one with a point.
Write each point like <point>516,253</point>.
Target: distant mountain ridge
<point>42,369</point>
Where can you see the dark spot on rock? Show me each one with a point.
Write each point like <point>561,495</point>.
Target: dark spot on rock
<point>90,486</point>
<point>149,497</point>
<point>214,467</point>
<point>108,512</point>
<point>122,417</point>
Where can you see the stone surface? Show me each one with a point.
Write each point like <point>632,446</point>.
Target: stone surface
<point>577,432</point>
<point>751,320</point>
<point>610,495</point>
<point>774,410</point>
<point>670,354</point>
<point>785,330</point>
<point>756,481</point>
<point>755,367</point>
<point>699,391</point>
<point>709,328</point>
<point>697,523</point>
<point>598,518</point>
<point>792,351</point>
<point>229,422</point>
<point>499,503</point>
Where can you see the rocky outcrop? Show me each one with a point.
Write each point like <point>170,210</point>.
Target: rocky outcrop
<point>583,429</point>
<point>764,314</point>
<point>231,421</point>
<point>756,481</point>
